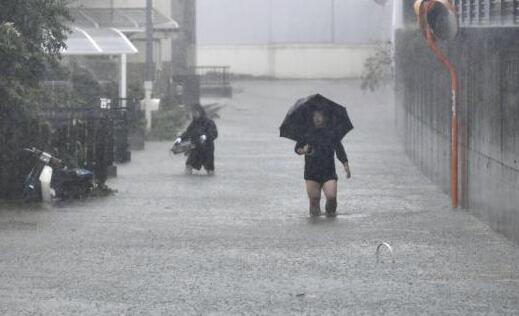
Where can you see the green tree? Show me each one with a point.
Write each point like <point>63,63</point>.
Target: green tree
<point>32,35</point>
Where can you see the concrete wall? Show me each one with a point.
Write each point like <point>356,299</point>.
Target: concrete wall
<point>488,66</point>
<point>290,60</point>
<point>259,22</point>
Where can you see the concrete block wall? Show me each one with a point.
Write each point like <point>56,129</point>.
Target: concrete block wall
<point>294,61</point>
<point>488,66</point>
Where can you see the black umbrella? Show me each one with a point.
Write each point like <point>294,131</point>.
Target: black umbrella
<point>299,117</point>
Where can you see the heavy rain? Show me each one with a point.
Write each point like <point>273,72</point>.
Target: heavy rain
<point>259,157</point>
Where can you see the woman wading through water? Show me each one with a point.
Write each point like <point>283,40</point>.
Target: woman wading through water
<point>202,132</point>
<point>319,146</point>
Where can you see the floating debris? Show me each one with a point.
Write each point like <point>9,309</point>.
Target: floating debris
<point>388,246</point>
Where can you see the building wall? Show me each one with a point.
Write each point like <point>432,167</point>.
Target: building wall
<point>487,60</point>
<point>289,60</point>
<point>259,22</point>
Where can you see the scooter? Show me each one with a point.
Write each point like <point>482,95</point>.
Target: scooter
<point>50,179</point>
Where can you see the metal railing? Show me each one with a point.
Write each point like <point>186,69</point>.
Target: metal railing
<point>213,75</point>
<point>101,128</point>
<point>214,80</point>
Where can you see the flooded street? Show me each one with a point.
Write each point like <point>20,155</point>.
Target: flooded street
<point>242,242</point>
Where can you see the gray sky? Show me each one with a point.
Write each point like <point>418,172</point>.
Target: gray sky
<point>293,21</point>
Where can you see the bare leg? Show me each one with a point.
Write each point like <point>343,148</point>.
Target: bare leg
<point>314,195</point>
<point>330,192</point>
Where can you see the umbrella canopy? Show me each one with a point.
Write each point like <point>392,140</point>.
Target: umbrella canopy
<point>299,118</point>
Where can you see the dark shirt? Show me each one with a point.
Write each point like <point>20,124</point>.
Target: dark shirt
<point>199,127</point>
<point>203,154</point>
<point>324,147</point>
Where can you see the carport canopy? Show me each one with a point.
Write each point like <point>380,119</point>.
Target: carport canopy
<point>98,41</point>
<point>128,20</point>
<point>101,41</point>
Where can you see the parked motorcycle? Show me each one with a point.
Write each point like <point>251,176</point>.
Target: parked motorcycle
<point>50,179</point>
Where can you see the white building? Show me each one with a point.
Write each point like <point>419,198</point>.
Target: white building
<point>292,38</point>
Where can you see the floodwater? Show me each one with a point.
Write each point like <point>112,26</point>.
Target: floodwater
<point>242,242</point>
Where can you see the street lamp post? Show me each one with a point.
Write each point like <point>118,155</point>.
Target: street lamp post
<point>438,20</point>
<point>148,81</point>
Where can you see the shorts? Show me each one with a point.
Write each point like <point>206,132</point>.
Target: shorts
<point>321,179</point>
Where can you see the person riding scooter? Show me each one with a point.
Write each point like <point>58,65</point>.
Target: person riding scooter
<point>201,132</point>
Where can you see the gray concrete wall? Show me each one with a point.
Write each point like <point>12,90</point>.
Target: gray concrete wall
<point>488,65</point>
<point>260,22</point>
<point>293,61</point>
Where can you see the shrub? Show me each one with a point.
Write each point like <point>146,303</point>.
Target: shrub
<point>378,68</point>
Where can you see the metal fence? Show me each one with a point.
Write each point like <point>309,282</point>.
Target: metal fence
<point>214,80</point>
<point>477,13</point>
<point>94,137</point>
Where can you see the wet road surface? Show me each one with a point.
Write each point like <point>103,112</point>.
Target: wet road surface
<point>242,242</point>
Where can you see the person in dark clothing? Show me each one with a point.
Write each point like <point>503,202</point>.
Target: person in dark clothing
<point>202,132</point>
<point>319,147</point>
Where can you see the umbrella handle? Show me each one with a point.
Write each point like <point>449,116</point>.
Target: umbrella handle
<point>309,151</point>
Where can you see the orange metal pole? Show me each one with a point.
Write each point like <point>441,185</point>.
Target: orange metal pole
<point>454,117</point>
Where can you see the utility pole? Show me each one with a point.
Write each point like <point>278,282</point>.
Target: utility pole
<point>271,48</point>
<point>148,80</point>
<point>332,21</point>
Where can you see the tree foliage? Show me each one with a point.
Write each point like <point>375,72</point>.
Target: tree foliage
<point>32,35</point>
